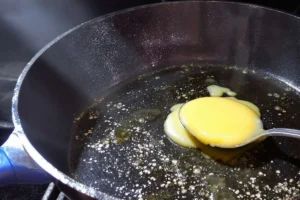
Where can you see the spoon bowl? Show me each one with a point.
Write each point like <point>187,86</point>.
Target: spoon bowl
<point>283,132</point>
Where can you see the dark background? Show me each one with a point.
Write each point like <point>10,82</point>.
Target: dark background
<point>28,25</point>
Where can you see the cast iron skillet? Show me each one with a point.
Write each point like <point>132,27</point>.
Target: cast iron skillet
<point>89,107</point>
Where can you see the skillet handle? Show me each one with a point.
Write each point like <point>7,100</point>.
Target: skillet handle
<point>16,166</point>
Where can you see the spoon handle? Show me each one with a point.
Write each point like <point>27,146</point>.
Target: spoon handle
<point>286,132</point>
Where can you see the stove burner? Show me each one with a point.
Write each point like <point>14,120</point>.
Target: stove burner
<point>52,193</point>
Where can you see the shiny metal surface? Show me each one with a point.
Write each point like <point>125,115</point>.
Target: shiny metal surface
<point>280,132</point>
<point>17,167</point>
<point>15,151</point>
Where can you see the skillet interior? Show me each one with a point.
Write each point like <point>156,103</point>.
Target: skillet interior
<point>125,150</point>
<point>85,64</point>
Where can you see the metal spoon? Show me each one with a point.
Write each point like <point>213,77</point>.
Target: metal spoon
<point>284,132</point>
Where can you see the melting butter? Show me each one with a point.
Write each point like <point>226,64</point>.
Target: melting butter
<point>218,91</point>
<point>176,107</point>
<point>176,132</point>
<point>220,121</point>
<point>247,103</point>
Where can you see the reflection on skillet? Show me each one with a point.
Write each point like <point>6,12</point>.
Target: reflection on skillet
<point>120,143</point>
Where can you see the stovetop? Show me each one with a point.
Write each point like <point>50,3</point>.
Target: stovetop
<point>26,26</point>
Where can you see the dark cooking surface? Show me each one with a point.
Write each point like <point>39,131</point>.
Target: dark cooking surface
<point>125,129</point>
<point>17,48</point>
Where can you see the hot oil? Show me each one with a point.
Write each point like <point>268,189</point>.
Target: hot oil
<point>120,147</point>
